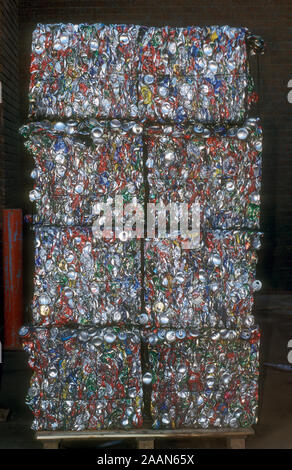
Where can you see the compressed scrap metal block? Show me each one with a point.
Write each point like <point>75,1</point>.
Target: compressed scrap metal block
<point>175,293</point>
<point>84,70</point>
<point>180,73</point>
<point>79,165</point>
<point>220,168</point>
<point>176,164</point>
<point>203,377</point>
<point>169,50</point>
<point>208,409</point>
<point>194,73</point>
<point>84,378</point>
<point>230,260</point>
<point>83,415</point>
<point>210,286</point>
<point>83,280</point>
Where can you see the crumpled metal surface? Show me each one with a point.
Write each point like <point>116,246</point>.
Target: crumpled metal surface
<point>84,378</point>
<point>81,280</point>
<point>212,285</point>
<point>203,377</point>
<point>79,164</point>
<point>130,71</point>
<point>220,168</point>
<point>83,70</point>
<point>151,114</point>
<point>199,73</point>
<point>83,415</point>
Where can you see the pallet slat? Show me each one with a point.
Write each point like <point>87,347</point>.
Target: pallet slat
<point>145,433</point>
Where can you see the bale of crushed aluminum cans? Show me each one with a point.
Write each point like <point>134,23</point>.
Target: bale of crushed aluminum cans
<point>211,286</point>
<point>78,165</point>
<point>128,71</point>
<point>83,70</point>
<point>195,73</point>
<point>203,377</point>
<point>82,280</point>
<point>220,168</point>
<point>84,378</point>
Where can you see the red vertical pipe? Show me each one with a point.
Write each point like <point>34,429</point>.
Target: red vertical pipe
<point>12,269</point>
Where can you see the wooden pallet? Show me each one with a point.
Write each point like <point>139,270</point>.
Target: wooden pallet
<point>145,437</point>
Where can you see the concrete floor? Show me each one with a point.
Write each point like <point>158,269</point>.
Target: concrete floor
<point>274,430</point>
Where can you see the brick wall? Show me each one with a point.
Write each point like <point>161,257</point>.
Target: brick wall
<point>10,188</point>
<point>9,76</point>
<point>269,18</point>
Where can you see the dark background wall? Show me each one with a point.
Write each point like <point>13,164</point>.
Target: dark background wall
<point>10,173</point>
<point>272,19</point>
<point>9,76</point>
